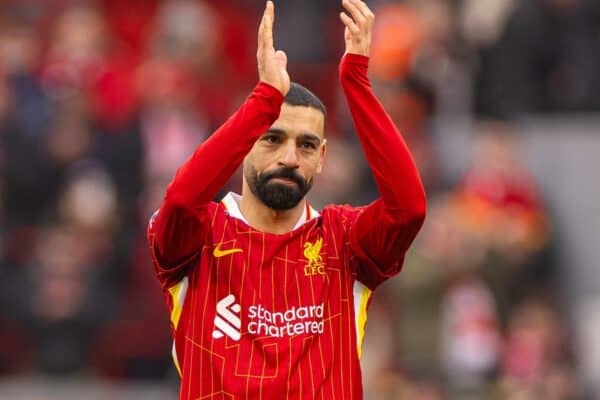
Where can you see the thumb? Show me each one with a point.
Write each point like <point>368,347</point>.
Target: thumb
<point>281,58</point>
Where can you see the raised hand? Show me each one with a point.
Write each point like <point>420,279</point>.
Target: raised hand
<point>359,26</point>
<point>271,64</point>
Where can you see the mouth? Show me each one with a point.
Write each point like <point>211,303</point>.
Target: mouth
<point>285,181</point>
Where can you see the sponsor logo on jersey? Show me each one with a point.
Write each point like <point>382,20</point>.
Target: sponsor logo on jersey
<point>227,320</point>
<point>312,253</point>
<point>264,322</point>
<point>218,252</point>
<point>292,322</point>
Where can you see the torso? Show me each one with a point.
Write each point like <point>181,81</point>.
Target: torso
<point>270,316</point>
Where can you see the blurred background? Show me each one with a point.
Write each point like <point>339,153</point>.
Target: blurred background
<point>499,100</point>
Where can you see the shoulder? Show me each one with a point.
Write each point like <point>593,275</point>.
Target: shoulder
<point>343,213</point>
<point>174,212</point>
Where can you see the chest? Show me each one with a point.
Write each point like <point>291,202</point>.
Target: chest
<point>283,280</point>
<point>298,267</point>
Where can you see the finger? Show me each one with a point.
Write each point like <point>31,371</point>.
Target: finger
<point>354,11</point>
<point>268,18</point>
<point>363,8</point>
<point>261,28</point>
<point>350,24</point>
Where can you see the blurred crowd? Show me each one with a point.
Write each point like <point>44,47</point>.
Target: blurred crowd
<point>101,101</point>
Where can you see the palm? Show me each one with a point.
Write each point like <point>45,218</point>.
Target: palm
<point>271,64</point>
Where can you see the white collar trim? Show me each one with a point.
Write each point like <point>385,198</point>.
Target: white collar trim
<point>232,203</point>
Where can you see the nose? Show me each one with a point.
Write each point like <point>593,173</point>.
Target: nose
<point>289,157</point>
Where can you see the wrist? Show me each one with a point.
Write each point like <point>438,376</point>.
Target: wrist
<point>270,94</point>
<point>355,58</point>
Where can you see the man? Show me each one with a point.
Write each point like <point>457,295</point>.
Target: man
<point>267,296</point>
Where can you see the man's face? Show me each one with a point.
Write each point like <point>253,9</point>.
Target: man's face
<point>280,168</point>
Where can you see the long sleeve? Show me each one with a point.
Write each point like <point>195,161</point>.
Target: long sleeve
<point>179,229</point>
<point>385,229</point>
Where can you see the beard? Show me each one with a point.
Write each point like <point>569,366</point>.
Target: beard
<point>278,196</point>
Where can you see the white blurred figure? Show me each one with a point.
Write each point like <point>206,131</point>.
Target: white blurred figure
<point>471,340</point>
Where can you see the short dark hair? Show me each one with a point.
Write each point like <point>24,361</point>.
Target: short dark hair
<point>298,95</point>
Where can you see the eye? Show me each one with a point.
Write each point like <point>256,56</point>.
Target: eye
<point>271,139</point>
<point>308,146</point>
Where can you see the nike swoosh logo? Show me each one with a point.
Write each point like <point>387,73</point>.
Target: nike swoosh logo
<point>217,252</point>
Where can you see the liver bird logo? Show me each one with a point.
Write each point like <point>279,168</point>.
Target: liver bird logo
<point>312,252</point>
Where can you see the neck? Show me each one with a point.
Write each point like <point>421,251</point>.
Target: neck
<point>265,219</point>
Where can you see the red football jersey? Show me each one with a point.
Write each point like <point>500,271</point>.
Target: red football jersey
<point>280,316</point>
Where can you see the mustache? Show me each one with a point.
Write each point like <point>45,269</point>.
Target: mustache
<point>285,173</point>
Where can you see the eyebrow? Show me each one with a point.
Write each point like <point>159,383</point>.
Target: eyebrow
<point>275,131</point>
<point>303,136</point>
<point>311,137</point>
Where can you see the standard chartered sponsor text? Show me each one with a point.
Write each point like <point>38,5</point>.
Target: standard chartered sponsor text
<point>295,321</point>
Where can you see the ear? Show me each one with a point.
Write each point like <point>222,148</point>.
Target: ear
<point>322,156</point>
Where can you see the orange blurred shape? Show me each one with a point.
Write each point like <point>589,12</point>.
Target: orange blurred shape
<point>397,35</point>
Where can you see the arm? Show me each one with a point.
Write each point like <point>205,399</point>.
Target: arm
<point>386,228</point>
<point>181,227</point>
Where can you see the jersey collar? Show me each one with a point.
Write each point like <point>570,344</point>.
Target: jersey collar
<point>232,203</point>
